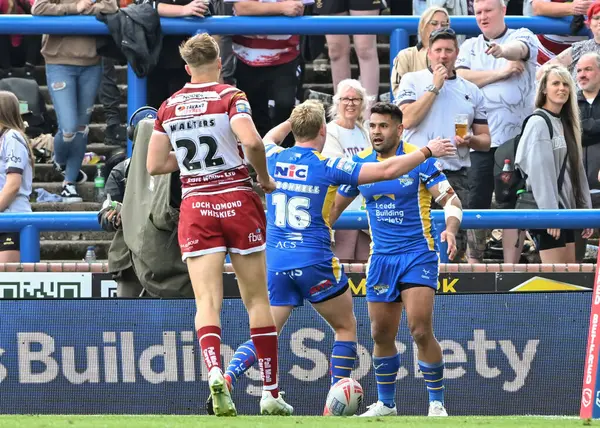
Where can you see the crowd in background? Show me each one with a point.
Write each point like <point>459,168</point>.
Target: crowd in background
<point>502,66</point>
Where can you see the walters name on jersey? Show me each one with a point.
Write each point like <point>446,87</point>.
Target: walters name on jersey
<point>197,120</point>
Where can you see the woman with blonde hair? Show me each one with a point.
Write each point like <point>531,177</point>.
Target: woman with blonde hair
<point>16,171</point>
<point>347,136</point>
<point>415,58</point>
<point>553,166</point>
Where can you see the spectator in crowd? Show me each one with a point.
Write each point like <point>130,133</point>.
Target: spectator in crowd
<point>267,66</point>
<point>109,96</point>
<point>169,75</point>
<point>551,44</point>
<point>571,56</point>
<point>561,182</point>
<point>16,171</point>
<point>419,7</point>
<point>364,44</point>
<point>73,72</point>
<point>346,136</point>
<point>433,101</point>
<point>15,50</point>
<point>588,78</point>
<point>415,58</point>
<point>119,259</point>
<point>228,59</point>
<point>501,62</point>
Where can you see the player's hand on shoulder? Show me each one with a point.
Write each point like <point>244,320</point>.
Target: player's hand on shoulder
<point>441,147</point>
<point>267,185</point>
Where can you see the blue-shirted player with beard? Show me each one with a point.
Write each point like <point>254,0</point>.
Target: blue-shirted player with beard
<point>404,262</point>
<point>300,263</point>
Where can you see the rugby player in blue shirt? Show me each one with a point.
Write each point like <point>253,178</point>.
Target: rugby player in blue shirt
<point>300,262</point>
<point>404,262</point>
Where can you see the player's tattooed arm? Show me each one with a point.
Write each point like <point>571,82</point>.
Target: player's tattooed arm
<point>161,158</point>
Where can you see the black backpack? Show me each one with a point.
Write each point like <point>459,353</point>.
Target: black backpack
<point>505,190</point>
<point>29,94</point>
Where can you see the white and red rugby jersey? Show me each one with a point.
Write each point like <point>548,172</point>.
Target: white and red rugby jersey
<point>551,45</point>
<point>197,120</point>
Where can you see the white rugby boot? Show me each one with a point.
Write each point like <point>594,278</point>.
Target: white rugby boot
<point>379,409</point>
<point>270,405</point>
<point>436,408</point>
<point>221,397</point>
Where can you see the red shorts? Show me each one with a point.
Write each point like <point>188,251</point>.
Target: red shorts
<point>231,221</point>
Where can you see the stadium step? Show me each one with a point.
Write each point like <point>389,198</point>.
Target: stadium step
<point>72,249</point>
<point>85,190</point>
<point>60,206</point>
<point>98,114</point>
<point>45,172</point>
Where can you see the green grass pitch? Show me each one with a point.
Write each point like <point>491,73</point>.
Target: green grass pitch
<point>288,422</point>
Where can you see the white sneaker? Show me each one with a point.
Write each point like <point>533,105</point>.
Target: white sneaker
<point>221,397</point>
<point>270,405</point>
<point>379,409</point>
<point>69,194</point>
<point>436,408</point>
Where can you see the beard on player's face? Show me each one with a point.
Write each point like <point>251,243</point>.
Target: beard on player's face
<point>385,145</point>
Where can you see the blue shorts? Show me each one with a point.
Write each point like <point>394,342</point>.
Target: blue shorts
<point>314,283</point>
<point>388,275</point>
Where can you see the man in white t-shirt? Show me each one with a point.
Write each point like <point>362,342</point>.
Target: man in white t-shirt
<point>431,100</point>
<point>502,62</point>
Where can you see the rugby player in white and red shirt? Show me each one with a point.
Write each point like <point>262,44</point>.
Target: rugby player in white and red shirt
<point>201,130</point>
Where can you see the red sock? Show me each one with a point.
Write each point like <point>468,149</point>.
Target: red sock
<point>210,345</point>
<point>265,342</point>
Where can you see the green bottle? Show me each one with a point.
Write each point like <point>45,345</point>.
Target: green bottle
<point>99,192</point>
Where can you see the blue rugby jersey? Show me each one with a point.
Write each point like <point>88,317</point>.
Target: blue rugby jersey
<point>298,229</point>
<point>399,210</point>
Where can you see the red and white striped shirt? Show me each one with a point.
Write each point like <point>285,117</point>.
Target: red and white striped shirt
<point>552,45</point>
<point>197,120</point>
<point>266,51</point>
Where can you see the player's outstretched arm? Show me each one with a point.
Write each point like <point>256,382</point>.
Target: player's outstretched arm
<point>339,205</point>
<point>444,195</point>
<point>278,134</point>
<point>246,133</point>
<point>161,159</point>
<point>399,165</point>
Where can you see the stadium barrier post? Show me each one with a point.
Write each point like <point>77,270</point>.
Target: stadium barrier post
<point>30,244</point>
<point>136,98</point>
<point>398,41</point>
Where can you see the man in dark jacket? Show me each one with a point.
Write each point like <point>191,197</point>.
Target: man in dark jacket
<point>588,78</point>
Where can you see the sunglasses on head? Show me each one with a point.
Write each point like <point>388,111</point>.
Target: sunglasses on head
<point>443,30</point>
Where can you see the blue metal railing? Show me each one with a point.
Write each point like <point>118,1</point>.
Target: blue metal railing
<point>31,224</point>
<point>398,27</point>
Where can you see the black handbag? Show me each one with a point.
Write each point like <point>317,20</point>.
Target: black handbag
<point>525,199</point>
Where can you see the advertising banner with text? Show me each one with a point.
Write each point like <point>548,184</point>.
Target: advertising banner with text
<point>504,353</point>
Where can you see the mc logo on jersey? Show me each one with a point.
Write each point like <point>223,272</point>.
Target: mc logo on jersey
<point>291,171</point>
